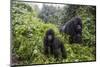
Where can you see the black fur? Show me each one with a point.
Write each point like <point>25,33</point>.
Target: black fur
<point>73,28</point>
<point>53,45</point>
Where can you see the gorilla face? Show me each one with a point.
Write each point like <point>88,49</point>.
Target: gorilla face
<point>50,35</point>
<point>78,28</point>
<point>78,25</point>
<point>77,36</point>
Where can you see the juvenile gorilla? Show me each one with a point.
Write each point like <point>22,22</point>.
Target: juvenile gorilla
<point>74,28</point>
<point>53,46</point>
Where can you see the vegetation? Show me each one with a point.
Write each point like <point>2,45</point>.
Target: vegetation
<point>29,25</point>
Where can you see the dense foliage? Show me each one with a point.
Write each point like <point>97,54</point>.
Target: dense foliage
<point>29,27</point>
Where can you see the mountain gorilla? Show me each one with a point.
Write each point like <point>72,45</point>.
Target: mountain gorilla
<point>53,45</point>
<point>73,28</point>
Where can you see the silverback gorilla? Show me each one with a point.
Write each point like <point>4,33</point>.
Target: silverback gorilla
<point>73,28</point>
<point>53,46</point>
